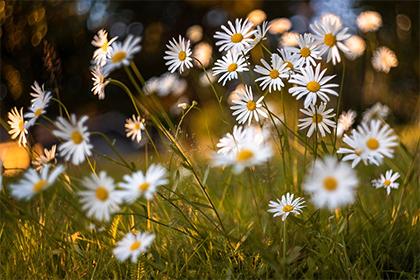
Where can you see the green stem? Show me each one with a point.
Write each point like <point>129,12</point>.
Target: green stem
<point>337,108</point>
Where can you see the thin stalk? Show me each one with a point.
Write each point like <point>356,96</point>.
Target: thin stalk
<point>337,108</point>
<point>284,249</point>
<point>61,105</point>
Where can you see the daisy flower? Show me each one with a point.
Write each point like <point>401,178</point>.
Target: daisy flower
<point>99,199</point>
<point>104,47</point>
<point>134,127</point>
<point>122,53</point>
<point>307,49</point>
<point>369,21</point>
<point>330,35</point>
<point>286,205</point>
<point>237,37</point>
<point>387,181</point>
<point>39,161</point>
<point>292,60</point>
<point>345,121</point>
<point>331,183</point>
<point>250,150</point>
<point>229,66</point>
<point>260,35</point>
<point>356,147</point>
<point>138,184</point>
<point>311,85</point>
<point>272,74</point>
<point>318,119</point>
<point>132,245</point>
<point>245,108</point>
<point>33,182</point>
<point>384,59</point>
<point>38,107</point>
<point>39,92</point>
<point>76,136</point>
<point>178,55</point>
<point>377,111</point>
<point>99,82</point>
<point>18,126</point>
<point>229,142</point>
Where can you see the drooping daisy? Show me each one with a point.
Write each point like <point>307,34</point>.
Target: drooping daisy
<point>245,108</point>
<point>178,55</point>
<point>138,184</point>
<point>384,59</point>
<point>312,85</point>
<point>330,36</point>
<point>369,21</point>
<point>318,119</point>
<point>272,74</point>
<point>18,126</point>
<point>356,45</point>
<point>38,107</point>
<point>76,136</point>
<point>39,161</point>
<point>236,37</point>
<point>308,50</point>
<point>260,35</point>
<point>99,82</point>
<point>229,66</point>
<point>293,64</point>
<point>354,152</point>
<point>100,40</point>
<point>133,128</point>
<point>250,150</point>
<point>387,181</point>
<point>34,182</point>
<point>345,121</point>
<point>331,183</point>
<point>122,53</point>
<point>378,111</point>
<point>132,245</point>
<point>229,142</point>
<point>100,199</point>
<point>286,205</point>
<point>39,92</point>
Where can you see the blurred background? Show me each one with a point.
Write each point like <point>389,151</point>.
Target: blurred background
<point>50,42</point>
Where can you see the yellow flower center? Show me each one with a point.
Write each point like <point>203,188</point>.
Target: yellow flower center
<point>372,144</point>
<point>136,126</point>
<point>244,155</point>
<point>387,183</point>
<point>236,38</point>
<point>104,46</point>
<point>289,64</point>
<point>305,52</point>
<point>118,56</point>
<point>329,40</point>
<point>38,112</point>
<point>144,186</point>
<point>101,193</point>
<point>330,183</point>
<point>182,55</point>
<point>39,185</point>
<point>274,74</point>
<point>251,105</point>
<point>317,118</point>
<point>288,208</point>
<point>21,125</point>
<point>135,246</point>
<point>232,67</point>
<point>313,86</point>
<point>76,137</point>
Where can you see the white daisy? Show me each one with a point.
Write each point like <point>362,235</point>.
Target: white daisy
<point>178,55</point>
<point>18,126</point>
<point>345,121</point>
<point>100,199</point>
<point>272,74</point>
<point>389,181</point>
<point>318,119</point>
<point>132,245</point>
<point>38,107</point>
<point>369,21</point>
<point>229,142</point>
<point>312,84</point>
<point>250,150</point>
<point>356,147</point>
<point>286,205</point>
<point>245,108</point>
<point>307,49</point>
<point>39,161</point>
<point>133,128</point>
<point>229,66</point>
<point>378,112</point>
<point>122,53</point>
<point>99,82</point>
<point>76,136</point>
<point>384,59</point>
<point>104,47</point>
<point>39,92</point>
<point>331,183</point>
<point>260,35</point>
<point>292,60</point>
<point>138,184</point>
<point>330,35</point>
<point>237,38</point>
<point>33,182</point>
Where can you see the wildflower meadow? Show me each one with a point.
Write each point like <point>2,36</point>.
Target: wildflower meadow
<point>210,140</point>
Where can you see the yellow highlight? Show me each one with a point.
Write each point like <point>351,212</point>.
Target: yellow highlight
<point>118,56</point>
<point>329,40</point>
<point>76,137</point>
<point>101,193</point>
<point>244,155</point>
<point>236,38</point>
<point>313,86</point>
<point>251,105</point>
<point>135,245</point>
<point>305,52</point>
<point>182,55</point>
<point>39,185</point>
<point>274,74</point>
<point>232,67</point>
<point>288,208</point>
<point>330,183</point>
